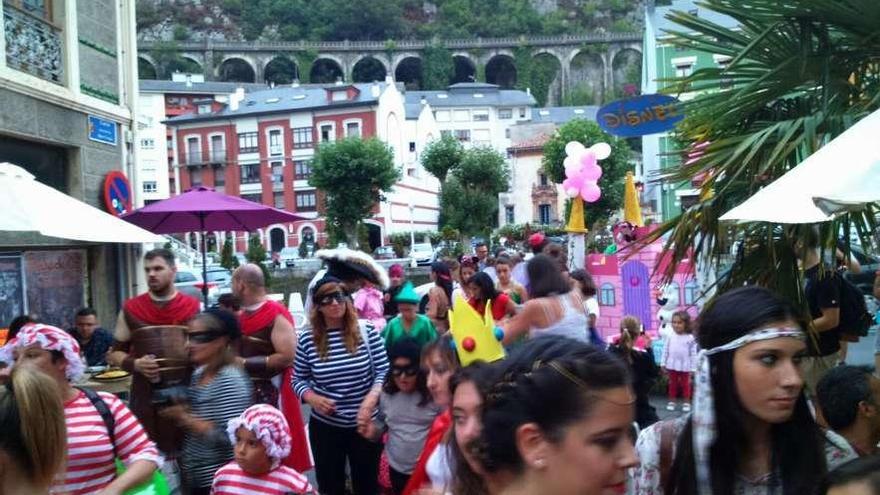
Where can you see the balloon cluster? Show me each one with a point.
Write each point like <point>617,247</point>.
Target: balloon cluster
<point>582,170</point>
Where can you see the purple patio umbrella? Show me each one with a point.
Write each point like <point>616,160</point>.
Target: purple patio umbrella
<point>202,209</point>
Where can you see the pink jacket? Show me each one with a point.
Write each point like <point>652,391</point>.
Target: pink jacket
<point>370,305</point>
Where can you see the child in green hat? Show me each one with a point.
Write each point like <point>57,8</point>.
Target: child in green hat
<point>409,323</point>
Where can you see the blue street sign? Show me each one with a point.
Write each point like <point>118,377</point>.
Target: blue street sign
<point>646,114</point>
<point>102,130</point>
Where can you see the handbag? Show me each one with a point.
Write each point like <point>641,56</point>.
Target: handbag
<point>157,485</point>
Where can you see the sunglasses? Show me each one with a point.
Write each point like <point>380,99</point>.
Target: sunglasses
<point>408,371</point>
<point>327,300</point>
<point>204,337</point>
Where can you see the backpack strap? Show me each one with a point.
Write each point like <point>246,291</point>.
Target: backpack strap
<point>364,329</point>
<point>104,411</point>
<point>667,436</point>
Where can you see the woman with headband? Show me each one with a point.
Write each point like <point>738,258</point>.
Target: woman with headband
<point>751,430</point>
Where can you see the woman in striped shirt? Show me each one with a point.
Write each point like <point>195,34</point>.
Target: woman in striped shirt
<point>339,370</point>
<point>91,448</point>
<point>219,391</point>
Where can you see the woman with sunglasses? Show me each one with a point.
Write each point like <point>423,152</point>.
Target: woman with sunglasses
<point>407,409</point>
<point>340,367</point>
<point>219,391</point>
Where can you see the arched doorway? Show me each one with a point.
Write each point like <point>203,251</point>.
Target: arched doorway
<point>277,239</point>
<point>324,71</point>
<point>368,69</point>
<point>236,70</point>
<point>501,70</point>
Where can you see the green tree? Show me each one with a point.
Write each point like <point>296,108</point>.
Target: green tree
<point>353,174</point>
<point>441,156</point>
<point>437,67</point>
<point>802,73</point>
<point>256,254</point>
<point>469,199</point>
<point>227,257</point>
<point>614,167</point>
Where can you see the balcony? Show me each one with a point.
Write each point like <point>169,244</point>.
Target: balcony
<point>194,158</point>
<point>32,45</point>
<point>218,157</point>
<point>276,150</point>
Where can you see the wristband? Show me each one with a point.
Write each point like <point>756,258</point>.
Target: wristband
<point>256,364</point>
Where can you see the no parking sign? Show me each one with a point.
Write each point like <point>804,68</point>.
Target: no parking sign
<point>117,193</point>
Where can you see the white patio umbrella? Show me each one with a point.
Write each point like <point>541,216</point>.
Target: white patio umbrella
<point>28,205</point>
<point>843,174</point>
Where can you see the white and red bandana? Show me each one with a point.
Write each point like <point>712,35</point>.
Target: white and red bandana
<point>269,425</point>
<point>48,338</point>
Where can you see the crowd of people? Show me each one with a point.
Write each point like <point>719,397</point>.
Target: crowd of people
<point>402,401</point>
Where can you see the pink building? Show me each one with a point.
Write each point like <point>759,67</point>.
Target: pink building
<point>626,286</point>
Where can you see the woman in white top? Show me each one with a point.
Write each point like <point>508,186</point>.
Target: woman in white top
<point>553,307</point>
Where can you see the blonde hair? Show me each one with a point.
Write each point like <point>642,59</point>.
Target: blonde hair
<point>630,328</point>
<point>32,421</point>
<point>351,335</point>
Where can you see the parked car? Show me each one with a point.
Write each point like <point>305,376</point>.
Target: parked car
<point>384,253</point>
<point>422,253</point>
<point>189,282</point>
<point>289,255</point>
<point>222,277</point>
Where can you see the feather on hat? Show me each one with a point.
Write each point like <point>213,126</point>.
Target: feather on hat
<point>348,264</point>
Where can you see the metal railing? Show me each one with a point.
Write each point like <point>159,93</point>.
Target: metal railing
<point>32,45</point>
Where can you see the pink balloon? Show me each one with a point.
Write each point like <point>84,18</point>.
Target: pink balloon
<point>592,173</point>
<point>588,158</point>
<point>591,192</point>
<point>573,184</point>
<point>570,162</point>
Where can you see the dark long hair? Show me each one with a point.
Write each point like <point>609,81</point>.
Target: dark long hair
<point>464,480</point>
<point>796,445</point>
<point>486,285</point>
<point>408,348</point>
<point>545,277</point>
<point>588,286</point>
<point>443,277</point>
<point>542,382</point>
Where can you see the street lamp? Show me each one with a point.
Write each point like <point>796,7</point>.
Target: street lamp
<point>412,234</point>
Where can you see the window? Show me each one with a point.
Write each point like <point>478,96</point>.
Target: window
<point>463,135</point>
<point>481,115</point>
<point>275,147</point>
<point>169,142</point>
<point>726,81</point>
<point>326,131</point>
<point>204,108</point>
<point>277,172</point>
<point>278,198</point>
<point>508,214</point>
<point>412,146</point>
<point>195,176</point>
<point>193,151</point>
<point>462,115</point>
<point>445,133</point>
<point>606,295</point>
<point>544,214</point>
<point>505,113</point>
<point>220,176</point>
<point>303,137</point>
<point>150,186</point>
<point>306,201</point>
<point>339,95</point>
<point>148,143</point>
<point>218,151</point>
<point>522,112</point>
<point>256,198</point>
<point>690,293</point>
<point>247,142</point>
<point>683,70</point>
<point>250,173</point>
<point>302,169</point>
<point>507,133</point>
<point>542,178</point>
<point>441,115</point>
<point>481,137</point>
<point>353,129</point>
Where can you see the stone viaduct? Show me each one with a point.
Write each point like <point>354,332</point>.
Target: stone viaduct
<point>592,62</point>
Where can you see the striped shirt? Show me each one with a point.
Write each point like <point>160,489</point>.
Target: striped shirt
<point>343,377</point>
<point>224,398</point>
<point>90,462</point>
<point>231,480</point>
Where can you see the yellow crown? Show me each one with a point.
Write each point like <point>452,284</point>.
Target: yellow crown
<point>474,336</point>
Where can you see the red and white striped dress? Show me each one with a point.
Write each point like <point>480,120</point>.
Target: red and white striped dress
<point>231,480</point>
<point>90,464</point>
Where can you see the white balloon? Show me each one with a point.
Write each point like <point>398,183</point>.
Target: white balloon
<point>574,148</point>
<point>571,163</point>
<point>602,150</point>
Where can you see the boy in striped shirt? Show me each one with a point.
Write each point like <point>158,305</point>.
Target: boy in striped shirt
<point>262,440</point>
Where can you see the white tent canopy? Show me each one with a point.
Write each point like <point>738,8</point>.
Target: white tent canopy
<point>31,206</point>
<point>843,174</point>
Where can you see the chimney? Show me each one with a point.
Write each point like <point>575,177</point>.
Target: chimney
<point>295,83</point>
<point>235,98</point>
<point>239,93</point>
<point>189,80</point>
<point>423,100</point>
<point>339,81</point>
<point>389,79</point>
<point>529,91</point>
<point>375,90</point>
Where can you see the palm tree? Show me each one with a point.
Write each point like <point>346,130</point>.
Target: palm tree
<point>802,71</point>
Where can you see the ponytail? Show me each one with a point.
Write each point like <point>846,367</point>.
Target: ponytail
<point>32,422</point>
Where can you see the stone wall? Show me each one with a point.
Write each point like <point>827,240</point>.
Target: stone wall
<point>98,65</point>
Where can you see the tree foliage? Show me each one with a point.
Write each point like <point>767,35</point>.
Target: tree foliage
<point>614,167</point>
<point>437,67</point>
<point>441,156</point>
<point>469,197</point>
<point>353,173</point>
<point>802,72</point>
<point>227,256</point>
<point>256,254</point>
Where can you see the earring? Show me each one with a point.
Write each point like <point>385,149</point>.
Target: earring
<point>539,463</point>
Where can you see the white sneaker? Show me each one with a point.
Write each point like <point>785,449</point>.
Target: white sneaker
<point>686,407</point>
<point>670,406</point>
